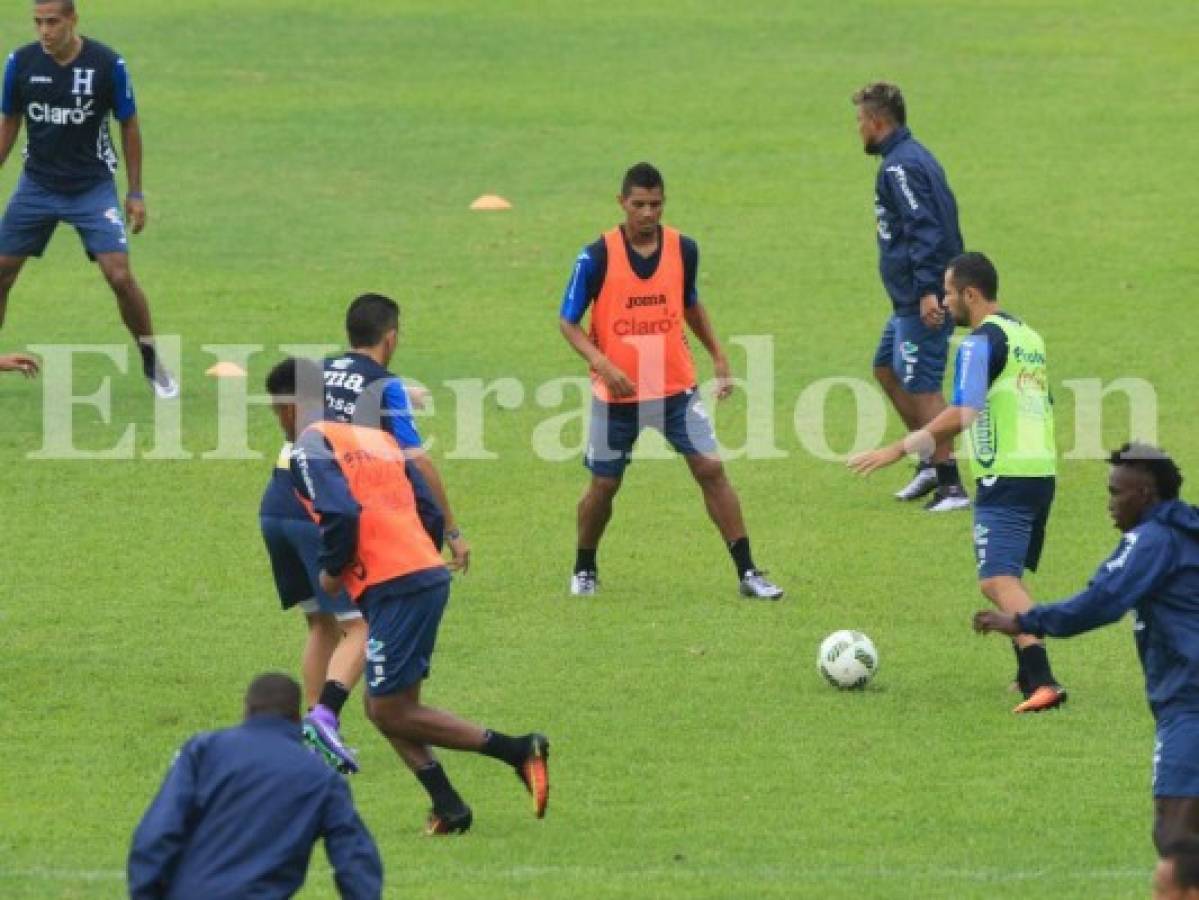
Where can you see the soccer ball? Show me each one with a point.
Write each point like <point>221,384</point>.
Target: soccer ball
<point>847,659</point>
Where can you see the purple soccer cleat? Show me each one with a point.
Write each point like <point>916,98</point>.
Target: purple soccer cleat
<point>321,734</point>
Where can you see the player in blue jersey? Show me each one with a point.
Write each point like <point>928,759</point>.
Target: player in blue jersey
<point>335,650</point>
<point>1154,573</point>
<point>360,389</point>
<point>65,87</point>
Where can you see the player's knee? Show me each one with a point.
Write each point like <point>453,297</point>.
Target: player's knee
<point>119,278</point>
<point>708,471</point>
<point>389,714</point>
<point>604,488</point>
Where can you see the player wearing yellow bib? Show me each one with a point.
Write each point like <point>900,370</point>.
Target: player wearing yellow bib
<point>1001,400</point>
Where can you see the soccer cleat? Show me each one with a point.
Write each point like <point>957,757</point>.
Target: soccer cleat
<point>321,734</point>
<point>922,483</point>
<point>754,583</point>
<point>164,384</point>
<point>451,821</point>
<point>584,584</point>
<point>947,499</point>
<point>1047,696</point>
<point>535,772</point>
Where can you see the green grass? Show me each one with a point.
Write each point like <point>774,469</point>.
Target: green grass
<point>298,154</point>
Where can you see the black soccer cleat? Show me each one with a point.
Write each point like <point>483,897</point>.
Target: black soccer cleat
<point>449,821</point>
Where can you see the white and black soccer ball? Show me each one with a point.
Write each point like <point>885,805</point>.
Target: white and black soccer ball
<point>847,659</point>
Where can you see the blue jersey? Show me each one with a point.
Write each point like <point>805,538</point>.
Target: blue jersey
<point>360,391</point>
<point>66,111</point>
<point>591,266</point>
<point>1155,573</point>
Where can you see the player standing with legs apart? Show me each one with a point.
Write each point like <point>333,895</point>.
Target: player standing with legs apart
<point>1001,398</point>
<point>1154,572</point>
<point>65,86</point>
<point>918,234</point>
<point>639,281</point>
<point>375,546</point>
<point>334,652</point>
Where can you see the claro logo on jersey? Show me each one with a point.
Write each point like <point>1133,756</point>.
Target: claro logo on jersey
<point>83,83</point>
<point>638,326</point>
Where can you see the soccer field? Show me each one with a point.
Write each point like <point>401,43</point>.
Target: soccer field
<point>298,154</point>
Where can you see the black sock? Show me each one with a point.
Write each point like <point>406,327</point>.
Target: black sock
<point>149,357</point>
<point>512,750</point>
<point>948,475</point>
<point>334,695</point>
<point>1034,662</point>
<point>742,559</point>
<point>585,560</point>
<point>1021,675</point>
<point>434,780</point>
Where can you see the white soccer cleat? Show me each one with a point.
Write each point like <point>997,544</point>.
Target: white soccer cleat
<point>948,499</point>
<point>584,584</point>
<point>755,584</point>
<point>923,482</point>
<point>164,384</point>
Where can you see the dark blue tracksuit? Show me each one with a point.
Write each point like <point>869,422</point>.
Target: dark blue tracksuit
<point>1155,573</point>
<point>917,219</point>
<point>238,815</point>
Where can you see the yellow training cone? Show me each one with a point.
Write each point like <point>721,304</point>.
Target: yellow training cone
<point>226,370</point>
<point>491,201</point>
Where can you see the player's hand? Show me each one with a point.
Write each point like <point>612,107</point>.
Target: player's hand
<point>932,313</point>
<point>872,460</point>
<point>331,584</point>
<point>617,382</point>
<point>459,554</point>
<point>135,214</point>
<point>724,381</point>
<point>20,362</point>
<point>989,620</point>
<point>417,396</point>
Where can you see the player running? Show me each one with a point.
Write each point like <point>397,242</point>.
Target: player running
<point>375,546</point>
<point>1154,572</point>
<point>65,87</point>
<point>1001,398</point>
<point>639,281</point>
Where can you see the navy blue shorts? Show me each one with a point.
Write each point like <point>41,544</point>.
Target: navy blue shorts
<point>402,631</point>
<point>294,546</point>
<point>1010,515</point>
<point>916,353</point>
<point>615,427</point>
<point>1176,756</point>
<point>33,212</point>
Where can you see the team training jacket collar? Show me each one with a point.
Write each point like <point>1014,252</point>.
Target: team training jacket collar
<point>893,140</point>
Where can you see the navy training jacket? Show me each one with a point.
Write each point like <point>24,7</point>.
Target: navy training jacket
<point>1155,573</point>
<point>917,217</point>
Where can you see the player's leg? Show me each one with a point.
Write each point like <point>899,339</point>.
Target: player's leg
<point>919,363</point>
<point>687,427</point>
<point>1176,780</point>
<point>10,268</point>
<point>1008,539</point>
<point>403,635</point>
<point>96,215</point>
<point>323,637</point>
<point>924,479</point>
<point>611,434</point>
<point>28,223</point>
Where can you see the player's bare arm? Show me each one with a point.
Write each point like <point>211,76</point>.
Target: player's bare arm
<point>459,548</point>
<point>135,203</point>
<point>948,424</point>
<point>616,381</point>
<point>10,127</point>
<point>701,326</point>
<point>988,620</point>
<point>20,362</point>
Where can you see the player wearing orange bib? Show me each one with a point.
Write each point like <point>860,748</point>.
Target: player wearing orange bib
<point>639,282</point>
<point>375,545</point>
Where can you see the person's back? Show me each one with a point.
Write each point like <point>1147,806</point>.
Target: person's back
<point>238,815</point>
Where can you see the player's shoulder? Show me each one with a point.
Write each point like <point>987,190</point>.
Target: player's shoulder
<point>596,251</point>
<point>26,54</point>
<point>98,53</point>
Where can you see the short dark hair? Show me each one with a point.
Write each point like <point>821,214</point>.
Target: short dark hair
<point>643,175</point>
<point>281,381</point>
<point>273,694</point>
<point>976,271</point>
<point>369,317</point>
<point>1184,853</point>
<point>1167,477</point>
<point>66,7</point>
<point>881,98</point>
